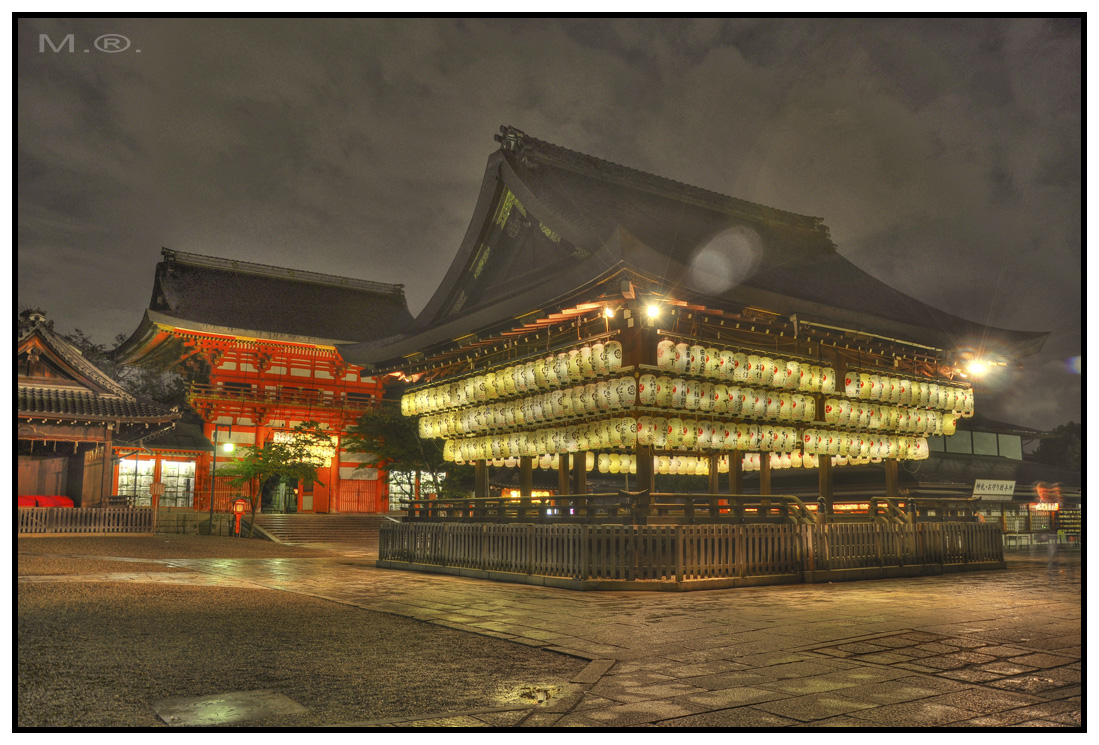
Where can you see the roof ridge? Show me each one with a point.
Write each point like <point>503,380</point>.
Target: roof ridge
<point>514,140</point>
<point>72,354</point>
<point>268,270</point>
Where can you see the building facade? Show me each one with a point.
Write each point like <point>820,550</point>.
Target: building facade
<point>598,318</point>
<point>258,346</point>
<point>70,417</point>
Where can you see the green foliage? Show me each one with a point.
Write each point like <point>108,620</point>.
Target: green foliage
<point>393,442</point>
<point>162,386</point>
<point>1064,449</point>
<point>293,461</point>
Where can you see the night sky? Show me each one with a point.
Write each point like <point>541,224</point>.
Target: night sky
<point>944,155</point>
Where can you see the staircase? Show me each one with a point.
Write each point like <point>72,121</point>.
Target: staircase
<point>357,534</point>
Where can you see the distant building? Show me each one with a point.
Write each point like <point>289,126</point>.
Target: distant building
<point>70,417</point>
<point>258,344</point>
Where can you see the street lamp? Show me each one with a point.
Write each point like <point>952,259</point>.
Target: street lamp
<point>214,465</point>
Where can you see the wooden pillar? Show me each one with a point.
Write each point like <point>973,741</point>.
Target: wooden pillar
<point>736,482</point>
<point>563,474</point>
<point>892,489</point>
<point>480,488</point>
<point>715,482</point>
<point>643,455</point>
<point>824,473</point>
<point>526,476</point>
<point>764,473</point>
<point>736,472</point>
<point>108,464</point>
<point>580,473</point>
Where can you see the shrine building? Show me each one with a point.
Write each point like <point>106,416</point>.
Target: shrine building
<point>259,346</point>
<point>601,319</point>
<point>71,418</point>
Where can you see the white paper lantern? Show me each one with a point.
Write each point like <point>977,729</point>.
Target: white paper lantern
<point>614,355</point>
<point>599,358</point>
<point>665,355</point>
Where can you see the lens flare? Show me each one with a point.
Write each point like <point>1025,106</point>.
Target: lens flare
<point>726,260</point>
<point>1074,365</point>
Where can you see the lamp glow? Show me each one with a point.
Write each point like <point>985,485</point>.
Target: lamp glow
<point>227,447</point>
<point>608,312</point>
<point>976,367</point>
<point>652,311</point>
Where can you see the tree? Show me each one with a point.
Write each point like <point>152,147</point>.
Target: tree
<point>393,442</point>
<point>295,460</point>
<point>163,385</point>
<point>1064,449</point>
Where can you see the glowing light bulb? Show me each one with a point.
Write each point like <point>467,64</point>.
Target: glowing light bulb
<point>653,311</point>
<point>976,367</point>
<point>608,312</point>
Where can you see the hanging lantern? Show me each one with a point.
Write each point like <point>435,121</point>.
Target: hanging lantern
<point>780,375</point>
<point>851,385</point>
<point>721,399</point>
<point>614,355</point>
<point>665,355</point>
<point>827,380</point>
<point>726,364</point>
<point>695,359</point>
<point>711,363</point>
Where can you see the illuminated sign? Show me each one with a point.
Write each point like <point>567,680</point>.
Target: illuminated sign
<point>321,453</point>
<point>1045,506</point>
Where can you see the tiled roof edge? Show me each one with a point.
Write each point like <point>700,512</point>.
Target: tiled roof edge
<point>265,270</point>
<point>514,140</point>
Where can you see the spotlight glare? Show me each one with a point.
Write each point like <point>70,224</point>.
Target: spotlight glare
<point>977,367</point>
<point>608,312</point>
<point>653,311</point>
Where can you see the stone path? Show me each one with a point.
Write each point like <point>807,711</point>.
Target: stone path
<point>989,649</point>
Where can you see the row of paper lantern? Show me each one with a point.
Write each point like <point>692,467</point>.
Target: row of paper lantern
<point>690,465</point>
<point>916,393</point>
<point>689,434</point>
<point>563,403</point>
<point>743,367</point>
<point>680,393</point>
<point>562,369</point>
<point>862,445</point>
<point>866,415</point>
<point>618,393</point>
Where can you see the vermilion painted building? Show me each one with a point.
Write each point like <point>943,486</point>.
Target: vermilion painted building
<point>258,344</point>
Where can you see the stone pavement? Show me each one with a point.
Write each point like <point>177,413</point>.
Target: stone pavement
<point>987,649</point>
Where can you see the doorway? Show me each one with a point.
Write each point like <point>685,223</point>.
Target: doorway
<point>279,496</point>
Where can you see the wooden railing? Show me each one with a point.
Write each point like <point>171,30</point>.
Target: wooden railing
<point>86,520</point>
<point>624,508</point>
<point>686,552</point>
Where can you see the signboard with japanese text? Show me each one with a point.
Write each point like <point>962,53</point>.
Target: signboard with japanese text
<point>994,491</point>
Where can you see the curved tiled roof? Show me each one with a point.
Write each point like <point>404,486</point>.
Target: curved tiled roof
<point>78,403</point>
<point>606,219</point>
<point>265,299</point>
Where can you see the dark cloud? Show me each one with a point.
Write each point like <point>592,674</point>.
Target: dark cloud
<point>945,155</point>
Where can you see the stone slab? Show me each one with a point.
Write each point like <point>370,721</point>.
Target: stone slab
<point>225,708</point>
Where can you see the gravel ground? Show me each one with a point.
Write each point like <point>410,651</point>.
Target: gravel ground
<point>99,654</point>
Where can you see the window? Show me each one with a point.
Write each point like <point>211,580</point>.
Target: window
<point>1011,446</point>
<point>984,443</point>
<point>960,442</point>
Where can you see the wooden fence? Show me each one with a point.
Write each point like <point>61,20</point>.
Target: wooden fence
<point>738,554</point>
<point>85,520</point>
